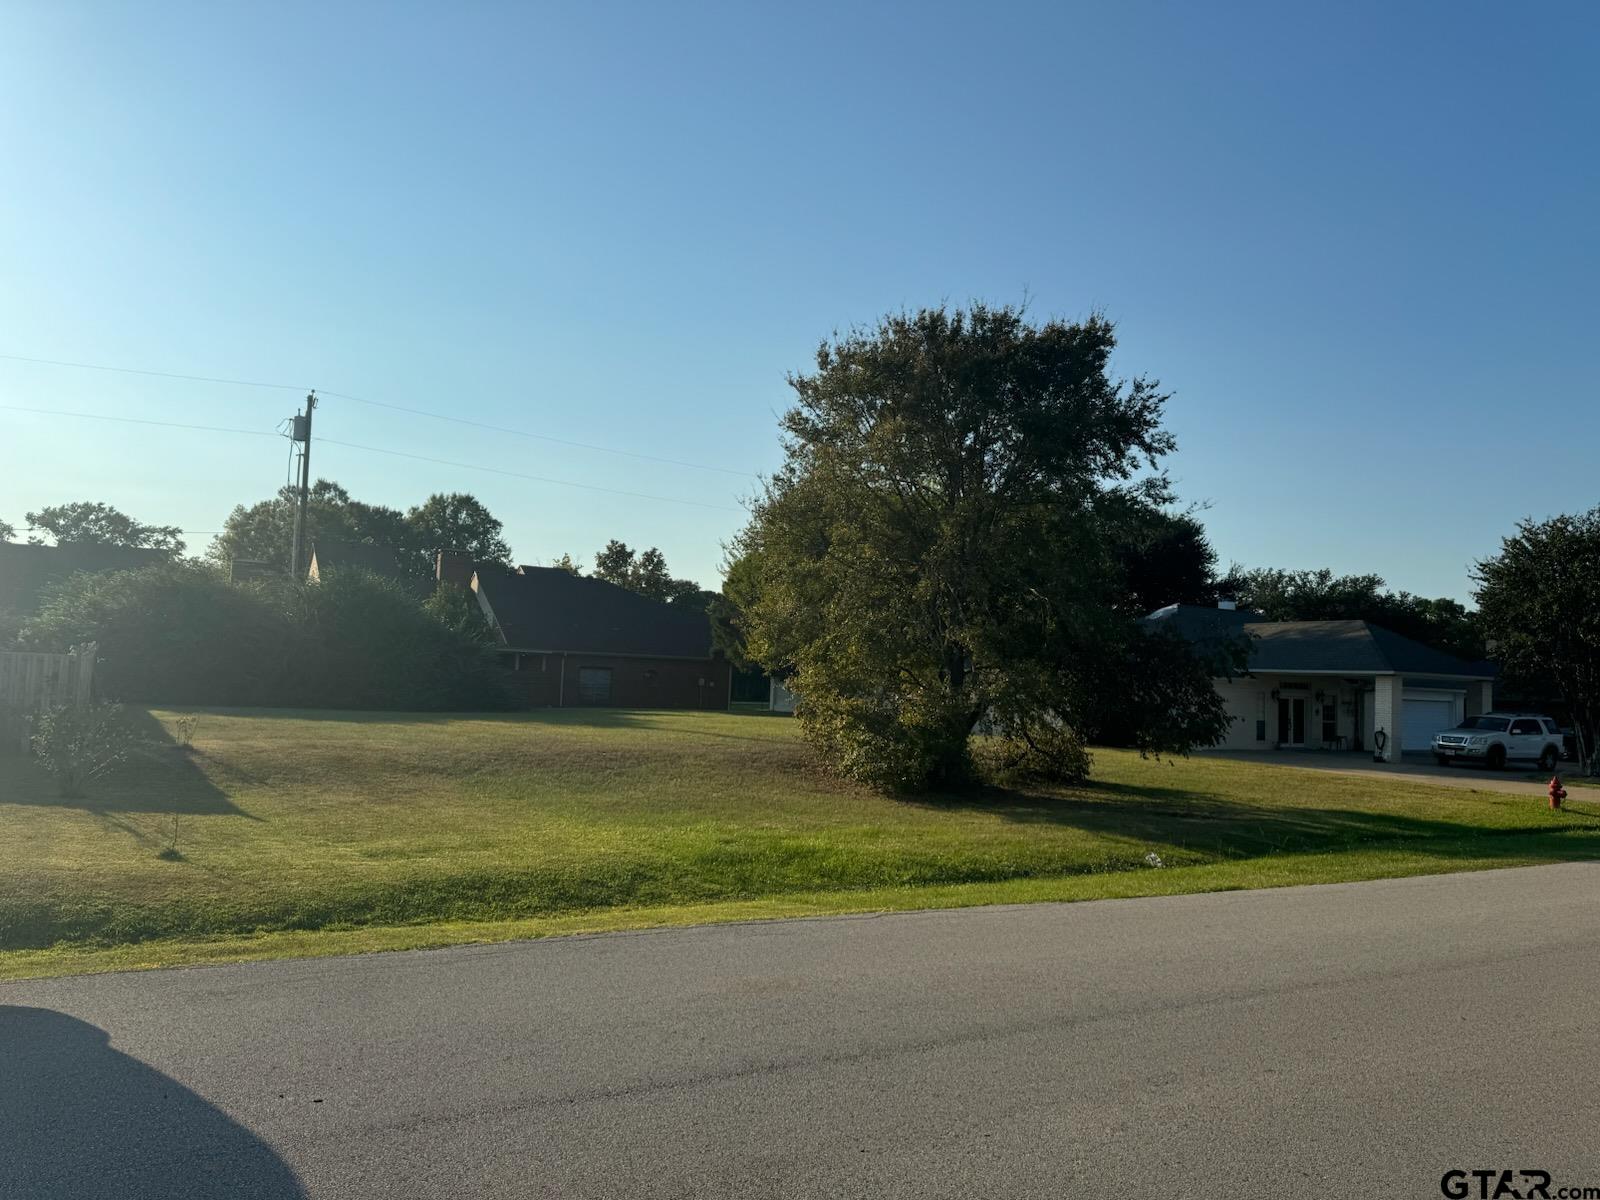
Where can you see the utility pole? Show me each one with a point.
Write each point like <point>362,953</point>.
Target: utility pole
<point>302,434</point>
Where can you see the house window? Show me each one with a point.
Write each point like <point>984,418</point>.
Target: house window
<point>1330,719</point>
<point>1261,716</point>
<point>594,685</point>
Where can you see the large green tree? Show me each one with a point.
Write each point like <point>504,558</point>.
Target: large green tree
<point>93,522</point>
<point>1539,603</point>
<point>741,585</point>
<point>935,554</point>
<point>456,521</point>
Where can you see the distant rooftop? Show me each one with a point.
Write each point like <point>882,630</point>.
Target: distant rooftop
<point>26,570</point>
<point>328,555</point>
<point>552,610</point>
<point>1284,647</point>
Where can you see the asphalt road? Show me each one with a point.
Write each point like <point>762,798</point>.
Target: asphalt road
<point>1357,1040</point>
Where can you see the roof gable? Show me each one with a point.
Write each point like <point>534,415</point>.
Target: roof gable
<point>552,610</point>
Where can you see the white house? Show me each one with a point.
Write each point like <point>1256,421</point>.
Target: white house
<point>780,698</point>
<point>1333,684</point>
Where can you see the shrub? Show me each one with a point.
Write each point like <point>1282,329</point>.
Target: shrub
<point>78,745</point>
<point>889,742</point>
<point>177,633</point>
<point>183,729</point>
<point>183,634</point>
<point>371,644</point>
<point>14,734</point>
<point>1043,754</point>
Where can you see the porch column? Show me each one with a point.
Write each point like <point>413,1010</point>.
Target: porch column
<point>1480,698</point>
<point>1388,714</point>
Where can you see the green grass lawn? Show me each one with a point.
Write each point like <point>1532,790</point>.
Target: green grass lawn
<point>304,833</point>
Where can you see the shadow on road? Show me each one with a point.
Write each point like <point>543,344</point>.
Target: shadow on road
<point>82,1121</point>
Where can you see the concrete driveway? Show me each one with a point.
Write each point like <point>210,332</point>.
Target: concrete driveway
<point>1415,766</point>
<point>1352,1040</point>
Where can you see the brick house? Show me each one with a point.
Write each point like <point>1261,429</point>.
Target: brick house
<point>567,641</point>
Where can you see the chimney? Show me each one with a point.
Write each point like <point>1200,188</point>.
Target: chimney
<point>454,566</point>
<point>1227,605</point>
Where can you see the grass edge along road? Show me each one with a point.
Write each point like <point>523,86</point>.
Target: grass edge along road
<point>1273,871</point>
<point>695,818</point>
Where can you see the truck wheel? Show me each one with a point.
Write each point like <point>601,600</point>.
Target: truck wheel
<point>1441,760</point>
<point>1547,760</point>
<point>1496,758</point>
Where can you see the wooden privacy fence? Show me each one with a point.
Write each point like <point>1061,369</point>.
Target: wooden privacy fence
<point>34,682</point>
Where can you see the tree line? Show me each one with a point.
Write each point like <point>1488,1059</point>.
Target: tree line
<point>951,565</point>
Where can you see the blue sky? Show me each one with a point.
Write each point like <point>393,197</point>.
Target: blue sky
<point>1357,242</point>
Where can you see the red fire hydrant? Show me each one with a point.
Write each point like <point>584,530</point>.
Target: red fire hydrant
<point>1557,792</point>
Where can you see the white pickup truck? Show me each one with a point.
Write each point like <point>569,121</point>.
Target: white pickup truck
<point>1497,738</point>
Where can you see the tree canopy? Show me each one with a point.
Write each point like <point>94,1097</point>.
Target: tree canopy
<point>1323,596</point>
<point>7,531</point>
<point>93,522</point>
<point>937,553</point>
<point>183,633</point>
<point>1539,602</point>
<point>646,573</point>
<point>1164,557</point>
<point>456,521</point>
<point>264,531</point>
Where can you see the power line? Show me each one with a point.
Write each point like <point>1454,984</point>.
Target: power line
<point>542,437</point>
<point>58,412</point>
<point>49,412</point>
<point>55,362</point>
<point>592,487</point>
<point>416,412</point>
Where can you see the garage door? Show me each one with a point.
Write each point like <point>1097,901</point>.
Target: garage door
<point>1423,719</point>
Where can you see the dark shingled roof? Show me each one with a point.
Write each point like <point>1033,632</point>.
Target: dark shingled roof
<point>25,570</point>
<point>1358,647</point>
<point>549,609</point>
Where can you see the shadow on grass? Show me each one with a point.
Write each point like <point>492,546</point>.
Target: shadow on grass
<point>1215,824</point>
<point>646,720</point>
<point>349,716</point>
<point>159,776</point>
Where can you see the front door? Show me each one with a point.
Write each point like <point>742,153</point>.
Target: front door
<point>1292,721</point>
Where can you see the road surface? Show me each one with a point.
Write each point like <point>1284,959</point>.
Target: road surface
<point>1355,1040</point>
